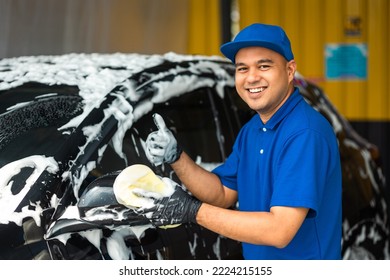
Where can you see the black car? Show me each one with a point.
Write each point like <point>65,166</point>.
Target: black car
<point>69,124</point>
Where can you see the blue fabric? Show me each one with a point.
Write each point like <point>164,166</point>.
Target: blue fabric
<point>293,160</point>
<point>267,36</point>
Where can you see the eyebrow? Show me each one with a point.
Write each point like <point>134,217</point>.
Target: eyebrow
<point>265,60</point>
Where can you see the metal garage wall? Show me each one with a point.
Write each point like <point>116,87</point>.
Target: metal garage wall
<point>357,33</point>
<point>204,33</point>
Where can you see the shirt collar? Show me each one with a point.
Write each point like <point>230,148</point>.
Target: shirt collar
<point>286,108</point>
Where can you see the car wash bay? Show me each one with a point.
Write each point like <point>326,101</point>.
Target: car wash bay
<point>340,45</point>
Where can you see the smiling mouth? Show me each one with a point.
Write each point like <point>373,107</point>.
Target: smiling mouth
<point>256,90</point>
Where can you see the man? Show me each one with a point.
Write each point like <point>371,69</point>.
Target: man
<point>284,169</point>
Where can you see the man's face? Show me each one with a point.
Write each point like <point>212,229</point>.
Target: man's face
<point>263,79</point>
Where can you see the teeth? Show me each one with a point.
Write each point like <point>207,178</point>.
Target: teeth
<point>254,90</point>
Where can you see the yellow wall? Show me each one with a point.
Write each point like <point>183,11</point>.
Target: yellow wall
<point>311,24</point>
<point>204,27</point>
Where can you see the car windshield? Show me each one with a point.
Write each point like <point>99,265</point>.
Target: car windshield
<point>32,127</point>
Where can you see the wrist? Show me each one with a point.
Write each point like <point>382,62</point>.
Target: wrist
<point>200,214</point>
<point>177,155</point>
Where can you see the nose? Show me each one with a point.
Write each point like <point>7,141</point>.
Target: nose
<point>253,76</point>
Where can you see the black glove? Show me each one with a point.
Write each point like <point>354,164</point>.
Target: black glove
<point>179,208</point>
<point>161,145</point>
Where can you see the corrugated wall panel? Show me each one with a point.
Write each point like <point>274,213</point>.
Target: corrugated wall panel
<point>354,91</point>
<point>204,27</point>
<point>333,17</point>
<point>313,24</point>
<point>378,38</point>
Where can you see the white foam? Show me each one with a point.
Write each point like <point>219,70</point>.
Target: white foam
<point>9,201</point>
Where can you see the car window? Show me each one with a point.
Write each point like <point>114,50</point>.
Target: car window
<point>242,112</point>
<point>190,117</point>
<point>232,113</point>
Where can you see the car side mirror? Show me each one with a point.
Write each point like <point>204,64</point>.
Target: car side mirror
<point>99,205</point>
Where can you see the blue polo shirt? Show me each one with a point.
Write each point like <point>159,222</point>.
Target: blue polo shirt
<point>293,160</point>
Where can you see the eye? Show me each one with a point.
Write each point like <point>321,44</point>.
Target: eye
<point>264,66</point>
<point>241,69</point>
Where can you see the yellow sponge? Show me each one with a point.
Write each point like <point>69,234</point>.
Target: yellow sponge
<point>136,179</point>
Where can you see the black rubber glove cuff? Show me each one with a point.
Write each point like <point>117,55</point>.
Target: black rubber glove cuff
<point>176,156</point>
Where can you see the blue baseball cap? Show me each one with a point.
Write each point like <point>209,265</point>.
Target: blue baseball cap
<point>259,35</point>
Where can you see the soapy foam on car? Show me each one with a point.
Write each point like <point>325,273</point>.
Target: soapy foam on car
<point>94,80</point>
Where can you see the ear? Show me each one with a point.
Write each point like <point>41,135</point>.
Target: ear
<point>291,69</point>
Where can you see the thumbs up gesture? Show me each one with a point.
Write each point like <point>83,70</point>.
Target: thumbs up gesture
<point>161,145</point>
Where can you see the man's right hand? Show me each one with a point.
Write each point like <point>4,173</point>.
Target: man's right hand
<point>178,208</point>
<point>161,145</point>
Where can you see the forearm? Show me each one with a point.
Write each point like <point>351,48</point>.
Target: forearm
<point>204,185</point>
<point>275,228</point>
<point>234,224</point>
